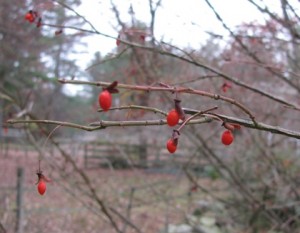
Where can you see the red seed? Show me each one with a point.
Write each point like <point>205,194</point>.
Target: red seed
<point>171,146</point>
<point>105,100</point>
<point>227,137</point>
<point>42,187</point>
<point>173,118</point>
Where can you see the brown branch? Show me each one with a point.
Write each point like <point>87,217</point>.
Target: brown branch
<point>77,14</point>
<point>83,175</point>
<point>118,55</point>
<point>195,115</point>
<point>2,229</point>
<point>104,124</point>
<point>166,89</point>
<point>193,61</point>
<point>50,122</point>
<point>251,54</point>
<point>261,126</point>
<point>138,107</point>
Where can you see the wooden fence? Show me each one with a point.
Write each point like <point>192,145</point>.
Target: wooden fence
<point>122,156</point>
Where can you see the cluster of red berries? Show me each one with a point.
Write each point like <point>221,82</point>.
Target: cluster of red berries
<point>176,114</point>
<point>33,16</point>
<point>173,118</point>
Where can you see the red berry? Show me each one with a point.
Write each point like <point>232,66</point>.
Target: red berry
<point>171,146</point>
<point>173,118</point>
<point>105,100</point>
<point>142,37</point>
<point>5,130</point>
<point>227,137</point>
<point>42,187</point>
<point>30,17</point>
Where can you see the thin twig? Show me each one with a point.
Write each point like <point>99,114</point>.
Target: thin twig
<point>137,107</point>
<point>104,124</point>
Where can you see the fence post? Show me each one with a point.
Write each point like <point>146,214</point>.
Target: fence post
<point>85,156</point>
<point>20,191</point>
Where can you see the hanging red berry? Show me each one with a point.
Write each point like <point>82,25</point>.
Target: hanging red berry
<point>172,118</point>
<point>171,145</point>
<point>29,17</point>
<point>42,186</point>
<point>142,37</point>
<point>227,137</point>
<point>105,100</point>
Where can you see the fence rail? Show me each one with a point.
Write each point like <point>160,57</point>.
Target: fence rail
<point>103,154</point>
<point>114,155</point>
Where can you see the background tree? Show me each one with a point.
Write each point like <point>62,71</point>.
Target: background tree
<point>249,87</point>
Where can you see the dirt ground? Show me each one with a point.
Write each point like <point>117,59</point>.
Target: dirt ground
<point>149,200</point>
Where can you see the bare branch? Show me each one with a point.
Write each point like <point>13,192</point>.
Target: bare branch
<point>166,89</point>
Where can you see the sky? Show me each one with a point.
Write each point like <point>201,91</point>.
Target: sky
<point>182,23</point>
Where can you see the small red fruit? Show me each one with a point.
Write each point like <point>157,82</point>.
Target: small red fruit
<point>173,118</point>
<point>30,17</point>
<point>41,186</point>
<point>227,137</point>
<point>5,130</point>
<point>105,100</point>
<point>142,37</point>
<point>171,146</point>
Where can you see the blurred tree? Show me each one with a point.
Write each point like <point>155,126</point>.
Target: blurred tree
<point>33,56</point>
<point>20,51</point>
